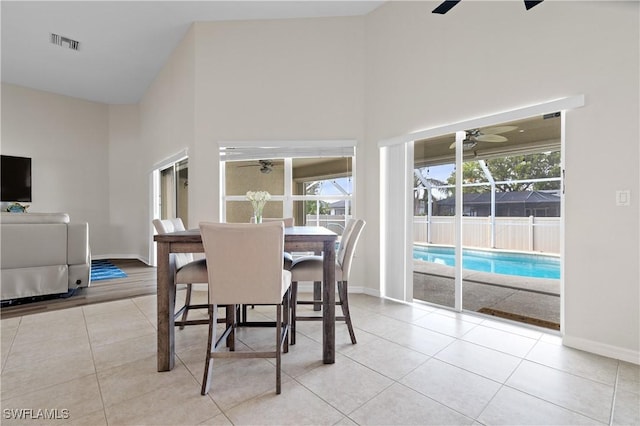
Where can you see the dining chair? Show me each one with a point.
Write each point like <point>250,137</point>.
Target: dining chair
<point>259,281</point>
<point>287,258</point>
<point>187,271</point>
<point>288,223</point>
<point>310,268</point>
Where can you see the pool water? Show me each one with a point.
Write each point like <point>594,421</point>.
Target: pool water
<point>524,265</point>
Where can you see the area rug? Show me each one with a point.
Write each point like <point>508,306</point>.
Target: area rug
<point>105,270</point>
<point>520,318</point>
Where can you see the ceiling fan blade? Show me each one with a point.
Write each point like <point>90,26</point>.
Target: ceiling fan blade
<point>491,138</point>
<point>497,130</point>
<point>531,3</point>
<point>445,6</point>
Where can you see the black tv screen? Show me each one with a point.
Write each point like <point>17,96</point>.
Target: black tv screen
<point>16,178</point>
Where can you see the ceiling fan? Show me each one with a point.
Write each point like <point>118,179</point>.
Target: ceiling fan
<point>447,5</point>
<point>266,166</point>
<point>489,134</point>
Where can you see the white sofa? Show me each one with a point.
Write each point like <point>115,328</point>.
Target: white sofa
<point>42,254</point>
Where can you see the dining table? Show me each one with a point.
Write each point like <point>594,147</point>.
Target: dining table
<point>315,239</point>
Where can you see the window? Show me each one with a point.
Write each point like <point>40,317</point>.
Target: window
<point>312,182</point>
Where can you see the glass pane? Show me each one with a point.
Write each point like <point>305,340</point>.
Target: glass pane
<point>242,211</point>
<point>511,238</point>
<point>167,193</point>
<point>258,175</point>
<point>329,185</point>
<point>433,227</point>
<point>182,191</point>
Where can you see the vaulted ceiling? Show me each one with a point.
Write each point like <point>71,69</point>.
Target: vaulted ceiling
<point>122,44</point>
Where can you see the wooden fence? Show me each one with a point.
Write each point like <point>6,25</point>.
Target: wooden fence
<point>541,234</point>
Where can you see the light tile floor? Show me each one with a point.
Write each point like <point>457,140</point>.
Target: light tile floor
<point>96,365</point>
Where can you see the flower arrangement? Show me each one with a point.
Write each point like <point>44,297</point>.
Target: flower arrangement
<point>258,200</point>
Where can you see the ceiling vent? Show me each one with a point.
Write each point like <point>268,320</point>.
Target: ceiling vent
<point>64,41</point>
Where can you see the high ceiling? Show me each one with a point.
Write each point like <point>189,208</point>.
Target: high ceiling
<point>123,44</point>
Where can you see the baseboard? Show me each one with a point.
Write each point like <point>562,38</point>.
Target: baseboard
<point>307,287</point>
<point>603,349</point>
<point>371,291</point>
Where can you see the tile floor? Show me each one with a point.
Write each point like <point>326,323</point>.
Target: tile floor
<point>96,365</point>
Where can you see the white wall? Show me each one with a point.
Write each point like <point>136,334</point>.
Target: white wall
<point>68,141</point>
<point>166,129</point>
<point>128,185</point>
<point>425,70</point>
<point>277,80</point>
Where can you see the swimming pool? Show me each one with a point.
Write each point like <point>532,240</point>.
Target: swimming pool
<point>507,263</point>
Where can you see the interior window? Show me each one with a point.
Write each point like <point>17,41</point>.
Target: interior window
<point>313,185</point>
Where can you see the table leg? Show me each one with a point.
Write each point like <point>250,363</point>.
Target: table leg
<point>166,305</point>
<point>317,295</point>
<point>329,303</point>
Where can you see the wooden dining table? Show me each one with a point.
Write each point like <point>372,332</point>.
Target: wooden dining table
<point>296,239</point>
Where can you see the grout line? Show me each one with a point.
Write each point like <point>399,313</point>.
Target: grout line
<point>615,395</point>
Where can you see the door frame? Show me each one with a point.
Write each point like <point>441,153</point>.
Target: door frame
<point>398,283</point>
<point>155,196</point>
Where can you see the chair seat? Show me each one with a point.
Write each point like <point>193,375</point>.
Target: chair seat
<point>193,272</point>
<point>309,268</point>
<point>288,260</point>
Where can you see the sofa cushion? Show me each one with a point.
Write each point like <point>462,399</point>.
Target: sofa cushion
<point>35,245</point>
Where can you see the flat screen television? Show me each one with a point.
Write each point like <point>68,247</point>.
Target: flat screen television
<point>16,178</point>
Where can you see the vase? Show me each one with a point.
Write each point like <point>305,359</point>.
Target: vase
<point>257,215</point>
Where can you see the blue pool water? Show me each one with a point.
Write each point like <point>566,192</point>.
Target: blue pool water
<point>524,265</point>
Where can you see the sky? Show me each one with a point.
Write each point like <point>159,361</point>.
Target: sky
<point>328,188</point>
<point>440,173</point>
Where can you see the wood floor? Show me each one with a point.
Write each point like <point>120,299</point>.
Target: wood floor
<point>140,281</point>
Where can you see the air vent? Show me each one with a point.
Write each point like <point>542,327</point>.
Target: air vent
<point>64,41</point>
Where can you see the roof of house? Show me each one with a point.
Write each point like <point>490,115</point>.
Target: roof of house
<point>512,197</point>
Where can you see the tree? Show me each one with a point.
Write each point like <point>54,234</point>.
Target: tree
<point>311,206</point>
<point>420,192</point>
<point>519,167</point>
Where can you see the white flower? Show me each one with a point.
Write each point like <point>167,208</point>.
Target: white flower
<point>258,199</point>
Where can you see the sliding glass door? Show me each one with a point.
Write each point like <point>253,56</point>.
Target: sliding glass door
<point>174,193</point>
<point>501,189</point>
<point>490,203</point>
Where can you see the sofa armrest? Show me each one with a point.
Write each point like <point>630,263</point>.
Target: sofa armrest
<point>78,252</point>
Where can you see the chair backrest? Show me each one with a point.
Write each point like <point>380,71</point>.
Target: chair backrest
<point>344,238</point>
<point>244,262</point>
<point>288,221</point>
<point>350,248</point>
<point>164,226</point>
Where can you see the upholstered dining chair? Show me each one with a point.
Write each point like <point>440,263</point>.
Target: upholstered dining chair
<point>309,268</point>
<point>187,271</point>
<point>288,222</point>
<point>260,281</point>
<point>287,257</point>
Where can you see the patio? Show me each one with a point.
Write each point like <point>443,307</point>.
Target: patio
<point>533,301</point>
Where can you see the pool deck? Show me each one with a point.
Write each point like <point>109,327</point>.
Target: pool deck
<point>533,298</point>
<point>537,285</point>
